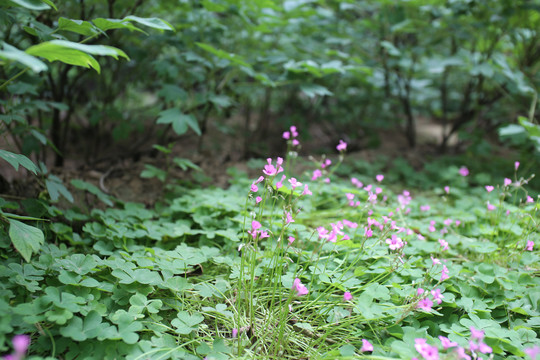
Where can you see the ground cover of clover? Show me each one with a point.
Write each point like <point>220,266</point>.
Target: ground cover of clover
<point>341,261</point>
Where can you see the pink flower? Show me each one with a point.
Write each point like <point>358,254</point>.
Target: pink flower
<point>234,333</point>
<point>347,296</point>
<point>369,233</point>
<point>288,218</point>
<point>447,189</point>
<point>326,163</point>
<point>20,344</point>
<point>294,183</point>
<point>350,224</point>
<point>507,181</point>
<point>489,188</point>
<point>316,174</point>
<point>299,287</point>
<point>462,354</point>
<point>394,243</point>
<point>529,199</point>
<point>270,170</point>
<point>530,245</point>
<point>425,208</point>
<point>444,273</point>
<point>516,165</point>
<point>446,343</point>
<point>258,199</point>
<point>286,135</point>
<point>264,234</point>
<point>293,131</point>
<point>437,296</point>
<point>484,348</point>
<point>327,180</point>
<point>323,233</point>
<point>379,178</point>
<point>490,207</point>
<point>279,184</point>
<point>533,352</point>
<point>435,261</point>
<point>463,171</point>
<point>356,182</point>
<point>477,334</point>
<point>427,351</point>
<point>295,142</point>
<point>420,291</point>
<point>342,146</point>
<point>444,244</point>
<point>255,225</point>
<point>254,188</point>
<point>306,190</point>
<point>366,346</point>
<point>425,304</point>
<point>291,239</point>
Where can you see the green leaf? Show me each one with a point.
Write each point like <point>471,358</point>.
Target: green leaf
<point>59,316</point>
<point>35,4</point>
<point>212,6</point>
<point>347,350</point>
<point>532,129</point>
<point>89,328</point>
<point>312,90</point>
<point>12,53</point>
<point>186,323</point>
<point>77,26</point>
<point>177,284</point>
<point>151,171</point>
<point>127,326</point>
<point>110,24</point>
<point>17,159</point>
<point>179,121</point>
<point>233,58</point>
<point>26,239</point>
<point>69,56</point>
<point>511,130</point>
<point>155,23</point>
<point>92,189</point>
<point>55,187</point>
<point>74,53</point>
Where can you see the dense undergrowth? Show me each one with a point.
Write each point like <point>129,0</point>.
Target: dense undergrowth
<point>338,262</point>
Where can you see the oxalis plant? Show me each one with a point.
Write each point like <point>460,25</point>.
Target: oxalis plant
<point>366,278</point>
<point>306,266</point>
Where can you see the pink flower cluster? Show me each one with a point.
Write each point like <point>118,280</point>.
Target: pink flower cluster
<point>476,345</point>
<point>255,232</point>
<point>271,170</point>
<point>300,288</point>
<point>20,346</point>
<point>336,230</point>
<point>342,146</point>
<point>425,303</point>
<point>292,135</point>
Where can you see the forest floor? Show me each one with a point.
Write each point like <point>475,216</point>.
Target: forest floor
<point>116,168</point>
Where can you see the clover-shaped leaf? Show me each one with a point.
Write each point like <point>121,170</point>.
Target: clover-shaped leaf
<point>78,263</point>
<point>88,328</point>
<point>186,323</point>
<point>127,326</point>
<point>177,283</point>
<point>139,303</point>
<point>59,316</point>
<point>63,300</point>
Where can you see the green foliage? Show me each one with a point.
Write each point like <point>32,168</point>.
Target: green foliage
<point>172,279</point>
